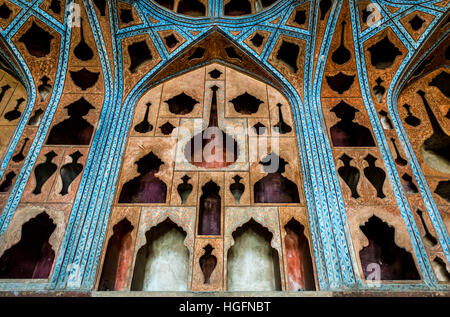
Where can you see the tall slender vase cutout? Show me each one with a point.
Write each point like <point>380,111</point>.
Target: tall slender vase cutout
<point>341,55</point>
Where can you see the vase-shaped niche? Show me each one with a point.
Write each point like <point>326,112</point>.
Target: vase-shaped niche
<point>144,126</point>
<point>32,257</point>
<point>145,188</point>
<point>162,263</point>
<point>70,171</point>
<point>375,175</point>
<point>184,189</point>
<point>237,188</point>
<point>212,147</point>
<point>346,132</point>
<point>74,130</point>
<point>341,55</point>
<point>207,263</point>
<point>82,51</point>
<point>350,175</point>
<point>274,187</point>
<point>44,171</point>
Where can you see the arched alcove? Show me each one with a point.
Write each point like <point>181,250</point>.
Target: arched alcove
<point>251,246</point>
<point>117,258</point>
<point>162,263</point>
<point>300,269</point>
<point>382,258</point>
<point>210,210</point>
<point>29,245</point>
<point>32,257</point>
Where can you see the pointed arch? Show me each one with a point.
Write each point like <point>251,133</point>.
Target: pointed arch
<point>421,62</point>
<point>165,71</point>
<point>252,244</point>
<point>25,215</point>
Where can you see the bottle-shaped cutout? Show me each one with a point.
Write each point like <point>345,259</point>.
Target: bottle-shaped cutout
<point>428,238</point>
<point>82,51</point>
<point>44,89</point>
<point>144,126</point>
<point>4,89</point>
<point>341,55</point>
<point>385,121</point>
<point>408,184</point>
<point>15,113</point>
<point>281,127</point>
<point>184,189</point>
<point>375,175</point>
<point>411,119</point>
<point>350,175</point>
<point>218,149</point>
<point>399,159</point>
<point>379,90</point>
<point>6,185</point>
<point>439,142</point>
<point>70,171</point>
<point>36,117</point>
<point>44,171</point>
<point>19,156</point>
<point>207,263</point>
<point>237,188</point>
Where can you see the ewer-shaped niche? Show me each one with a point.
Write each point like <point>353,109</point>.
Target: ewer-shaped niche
<point>212,148</point>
